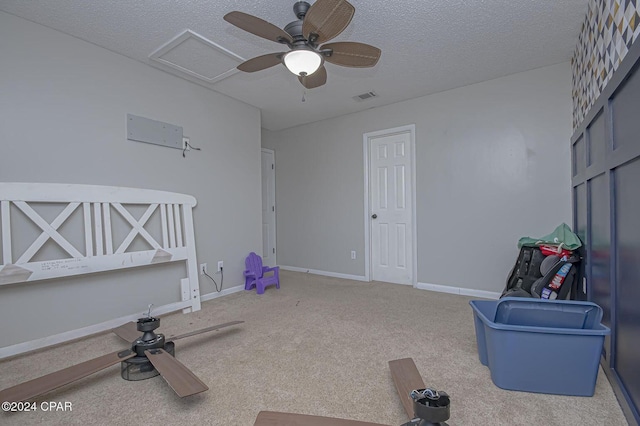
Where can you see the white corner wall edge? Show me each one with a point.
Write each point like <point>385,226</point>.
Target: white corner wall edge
<point>215,294</point>
<point>68,336</point>
<point>325,273</point>
<point>459,290</point>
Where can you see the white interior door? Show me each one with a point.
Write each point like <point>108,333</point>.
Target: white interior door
<point>391,207</point>
<point>268,208</point>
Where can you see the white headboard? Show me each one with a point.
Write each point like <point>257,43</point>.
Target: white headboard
<point>98,252</point>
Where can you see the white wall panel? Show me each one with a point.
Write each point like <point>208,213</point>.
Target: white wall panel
<point>63,119</point>
<point>493,165</point>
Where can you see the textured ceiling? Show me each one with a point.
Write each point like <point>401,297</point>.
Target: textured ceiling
<point>427,45</point>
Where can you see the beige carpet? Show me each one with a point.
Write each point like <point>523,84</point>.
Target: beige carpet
<point>316,346</point>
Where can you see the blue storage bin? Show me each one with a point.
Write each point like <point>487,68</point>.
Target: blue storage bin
<point>535,345</point>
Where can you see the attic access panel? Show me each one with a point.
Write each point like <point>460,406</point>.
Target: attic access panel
<point>196,56</point>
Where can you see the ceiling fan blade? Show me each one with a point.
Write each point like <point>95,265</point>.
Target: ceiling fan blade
<point>257,26</point>
<point>204,330</point>
<point>406,378</point>
<point>326,19</point>
<point>272,418</point>
<point>179,377</point>
<point>128,332</point>
<point>260,63</point>
<point>352,54</point>
<point>35,387</point>
<point>314,80</point>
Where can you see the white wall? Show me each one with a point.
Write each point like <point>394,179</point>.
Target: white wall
<point>493,165</point>
<point>63,107</point>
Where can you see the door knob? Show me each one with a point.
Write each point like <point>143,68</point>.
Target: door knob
<point>374,216</point>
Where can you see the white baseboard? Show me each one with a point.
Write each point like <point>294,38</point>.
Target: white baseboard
<point>459,290</point>
<point>325,273</point>
<point>422,286</point>
<point>215,295</point>
<point>20,348</point>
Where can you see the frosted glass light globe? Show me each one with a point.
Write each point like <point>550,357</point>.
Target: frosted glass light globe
<point>302,62</point>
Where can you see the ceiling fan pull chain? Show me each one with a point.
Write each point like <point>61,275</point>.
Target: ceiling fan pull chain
<point>304,93</point>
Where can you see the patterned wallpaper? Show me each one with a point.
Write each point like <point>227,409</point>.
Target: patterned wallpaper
<point>609,30</point>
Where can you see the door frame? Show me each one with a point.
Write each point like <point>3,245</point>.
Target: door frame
<point>275,212</point>
<point>366,148</point>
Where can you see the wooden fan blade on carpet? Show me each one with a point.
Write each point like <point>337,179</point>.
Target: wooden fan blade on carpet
<point>314,80</point>
<point>257,26</point>
<point>35,387</point>
<point>326,19</point>
<point>130,333</point>
<point>146,358</point>
<point>273,418</point>
<point>352,54</point>
<point>316,24</point>
<point>179,377</point>
<point>406,377</point>
<point>127,332</point>
<point>204,330</point>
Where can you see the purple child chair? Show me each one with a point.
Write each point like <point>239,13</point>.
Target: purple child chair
<point>254,275</point>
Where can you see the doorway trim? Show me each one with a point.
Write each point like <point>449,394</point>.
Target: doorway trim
<point>411,129</point>
<point>272,189</point>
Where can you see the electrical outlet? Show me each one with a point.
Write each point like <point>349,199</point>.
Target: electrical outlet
<point>220,265</point>
<point>203,268</point>
<point>185,143</point>
<point>353,254</point>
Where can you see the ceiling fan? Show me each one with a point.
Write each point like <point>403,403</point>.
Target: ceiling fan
<point>425,407</point>
<point>306,38</point>
<point>150,354</point>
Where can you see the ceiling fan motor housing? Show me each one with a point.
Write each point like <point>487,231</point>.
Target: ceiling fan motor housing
<point>146,326</point>
<point>139,367</point>
<point>294,29</point>
<point>431,407</point>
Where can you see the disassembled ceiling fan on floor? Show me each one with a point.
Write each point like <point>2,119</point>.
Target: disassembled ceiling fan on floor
<point>150,354</point>
<point>425,407</point>
<point>316,24</point>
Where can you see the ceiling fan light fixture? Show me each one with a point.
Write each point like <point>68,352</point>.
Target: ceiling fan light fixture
<point>302,62</point>
<point>307,39</point>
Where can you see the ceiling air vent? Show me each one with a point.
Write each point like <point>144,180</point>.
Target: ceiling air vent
<point>364,96</point>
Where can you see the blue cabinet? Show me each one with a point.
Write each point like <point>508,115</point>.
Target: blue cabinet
<point>606,215</point>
